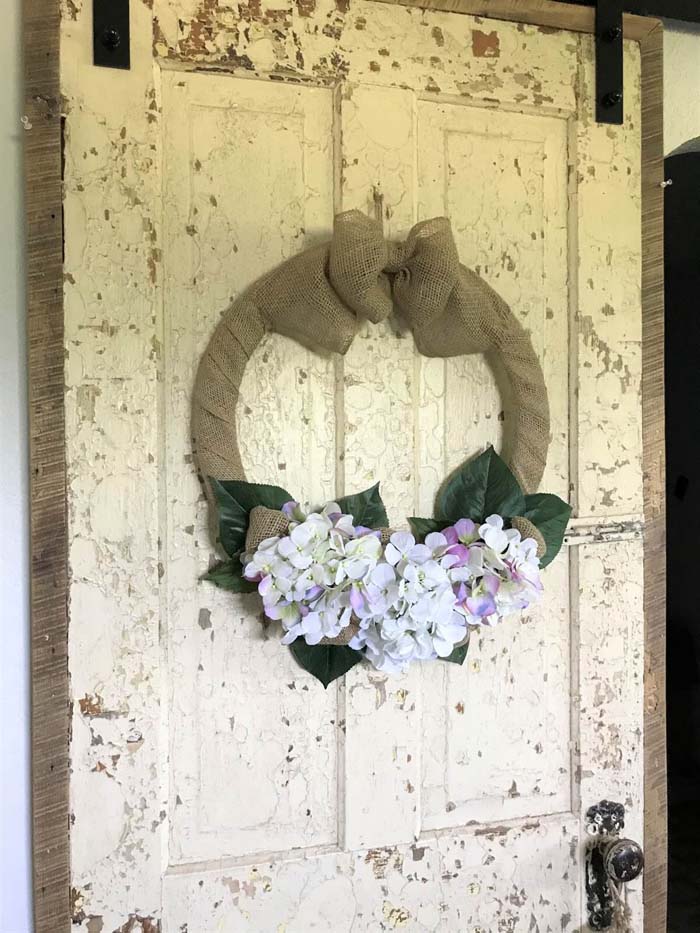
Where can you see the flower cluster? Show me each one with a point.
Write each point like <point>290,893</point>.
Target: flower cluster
<point>408,601</point>
<point>310,578</point>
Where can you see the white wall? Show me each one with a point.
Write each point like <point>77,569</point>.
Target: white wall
<point>681,123</point>
<point>681,84</point>
<point>15,906</point>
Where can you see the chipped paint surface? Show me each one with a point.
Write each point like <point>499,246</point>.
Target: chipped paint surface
<point>485,44</point>
<point>498,884</point>
<point>233,794</point>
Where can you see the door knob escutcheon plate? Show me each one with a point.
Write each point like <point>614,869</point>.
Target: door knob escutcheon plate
<point>610,862</point>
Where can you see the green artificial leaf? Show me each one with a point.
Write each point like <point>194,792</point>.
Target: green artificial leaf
<point>422,527</point>
<point>366,508</point>
<point>550,515</point>
<point>229,576</point>
<point>325,662</point>
<point>484,486</point>
<point>236,499</point>
<point>458,654</point>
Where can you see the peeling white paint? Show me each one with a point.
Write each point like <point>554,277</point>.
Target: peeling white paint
<point>233,793</point>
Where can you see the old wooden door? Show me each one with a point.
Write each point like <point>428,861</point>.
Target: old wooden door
<point>215,785</point>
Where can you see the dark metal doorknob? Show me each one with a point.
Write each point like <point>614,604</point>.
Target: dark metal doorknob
<point>624,861</point>
<point>610,862</point>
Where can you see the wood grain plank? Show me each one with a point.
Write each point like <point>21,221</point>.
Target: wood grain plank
<point>655,775</point>
<point>48,571</point>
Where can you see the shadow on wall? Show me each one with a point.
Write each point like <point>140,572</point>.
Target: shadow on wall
<point>682,270</point>
<point>693,145</point>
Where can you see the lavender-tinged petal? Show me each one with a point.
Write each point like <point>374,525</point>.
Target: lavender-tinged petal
<point>357,600</point>
<point>461,552</point>
<point>481,605</point>
<point>451,535</point>
<point>466,529</point>
<point>362,530</point>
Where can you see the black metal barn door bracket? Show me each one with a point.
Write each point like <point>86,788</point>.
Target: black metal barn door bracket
<point>608,44</point>
<point>608,61</point>
<point>110,33</point>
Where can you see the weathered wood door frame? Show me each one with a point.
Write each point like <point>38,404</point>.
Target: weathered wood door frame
<point>49,545</point>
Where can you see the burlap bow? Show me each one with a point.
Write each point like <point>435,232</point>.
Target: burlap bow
<point>321,296</point>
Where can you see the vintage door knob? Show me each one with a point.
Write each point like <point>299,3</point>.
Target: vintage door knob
<point>610,862</point>
<point>624,860</point>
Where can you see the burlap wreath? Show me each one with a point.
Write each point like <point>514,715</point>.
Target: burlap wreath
<point>321,296</point>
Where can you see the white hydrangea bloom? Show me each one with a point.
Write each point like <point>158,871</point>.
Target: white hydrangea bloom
<point>307,578</point>
<point>499,575</point>
<point>413,601</point>
<point>411,606</point>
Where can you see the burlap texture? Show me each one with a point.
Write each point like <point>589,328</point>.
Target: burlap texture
<point>343,637</point>
<point>264,523</point>
<point>528,530</point>
<point>320,297</point>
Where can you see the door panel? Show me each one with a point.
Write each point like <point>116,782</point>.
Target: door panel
<point>235,793</point>
<point>226,220</point>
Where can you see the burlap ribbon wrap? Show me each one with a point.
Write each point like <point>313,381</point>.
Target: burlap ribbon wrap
<point>321,296</point>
